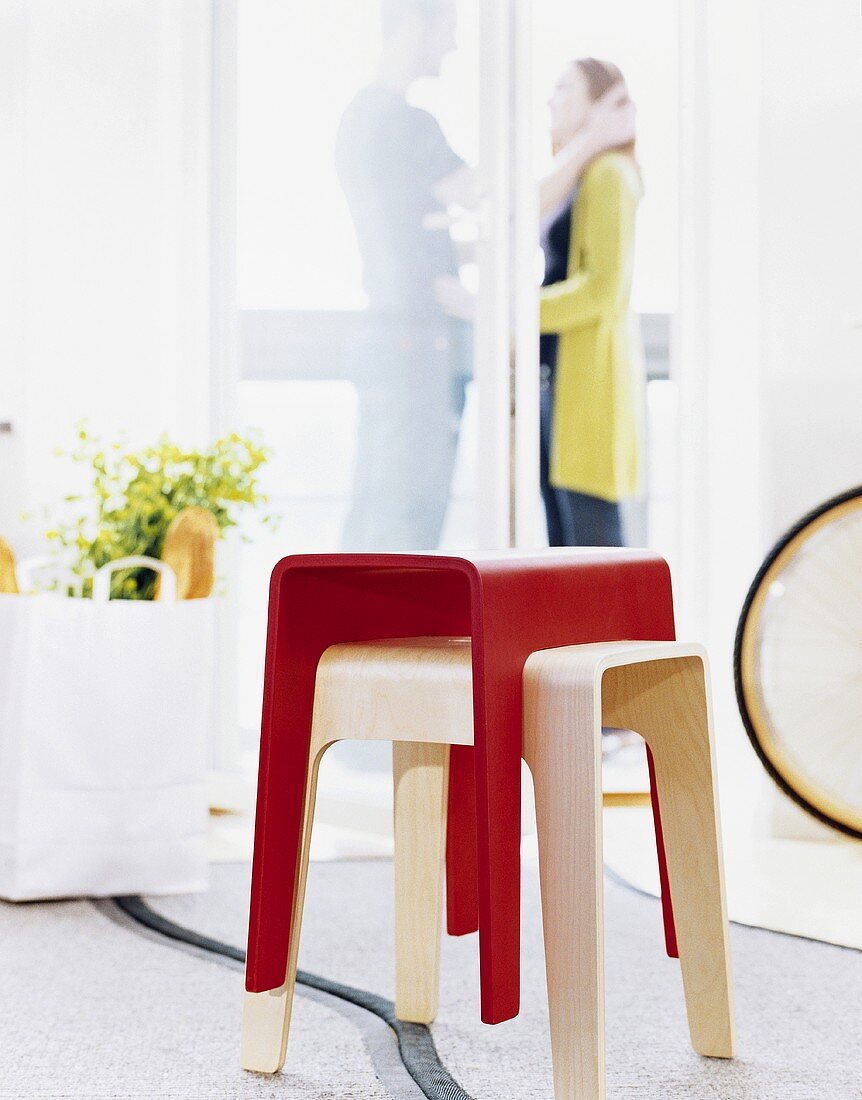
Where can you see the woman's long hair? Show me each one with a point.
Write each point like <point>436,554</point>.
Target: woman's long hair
<point>600,76</point>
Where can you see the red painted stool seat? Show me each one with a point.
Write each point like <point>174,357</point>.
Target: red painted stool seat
<point>510,605</point>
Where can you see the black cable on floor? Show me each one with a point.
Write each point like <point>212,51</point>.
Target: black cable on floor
<point>415,1042</point>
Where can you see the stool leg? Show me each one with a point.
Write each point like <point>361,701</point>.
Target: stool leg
<point>562,746</point>
<point>667,702</point>
<point>421,784</point>
<point>462,860</point>
<point>266,1016</point>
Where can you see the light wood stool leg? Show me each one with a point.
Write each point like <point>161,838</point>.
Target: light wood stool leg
<point>667,702</point>
<point>421,782</point>
<point>562,733</point>
<point>383,691</point>
<point>266,1016</point>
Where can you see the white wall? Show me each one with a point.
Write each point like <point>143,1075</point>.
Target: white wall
<point>12,298</point>
<point>770,366</point>
<point>811,253</point>
<point>811,274</point>
<point>104,271</point>
<point>771,289</point>
<point>718,342</point>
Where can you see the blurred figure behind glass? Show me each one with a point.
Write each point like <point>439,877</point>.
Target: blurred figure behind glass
<point>592,378</point>
<point>412,360</point>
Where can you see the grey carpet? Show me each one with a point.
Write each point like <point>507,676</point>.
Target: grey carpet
<point>91,1009</point>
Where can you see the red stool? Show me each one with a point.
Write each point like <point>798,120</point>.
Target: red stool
<point>509,605</point>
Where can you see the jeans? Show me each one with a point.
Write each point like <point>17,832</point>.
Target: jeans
<point>410,388</point>
<point>574,519</point>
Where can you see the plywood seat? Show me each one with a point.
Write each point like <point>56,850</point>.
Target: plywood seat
<point>418,693</point>
<point>510,604</point>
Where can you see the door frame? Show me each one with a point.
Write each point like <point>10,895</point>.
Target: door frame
<point>717,359</point>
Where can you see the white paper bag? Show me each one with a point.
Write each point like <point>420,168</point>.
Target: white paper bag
<point>105,715</point>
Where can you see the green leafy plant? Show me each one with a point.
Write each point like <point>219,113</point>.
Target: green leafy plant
<point>136,494</point>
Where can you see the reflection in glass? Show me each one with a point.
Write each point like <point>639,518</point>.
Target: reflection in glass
<point>411,356</point>
<point>356,137</point>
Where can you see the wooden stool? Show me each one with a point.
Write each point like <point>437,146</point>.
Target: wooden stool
<point>510,604</point>
<point>417,693</point>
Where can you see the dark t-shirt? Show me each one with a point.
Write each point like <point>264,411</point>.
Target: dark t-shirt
<point>556,237</point>
<point>389,156</point>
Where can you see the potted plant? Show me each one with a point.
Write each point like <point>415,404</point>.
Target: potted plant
<point>135,495</point>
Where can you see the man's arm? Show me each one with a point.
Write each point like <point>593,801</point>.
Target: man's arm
<point>458,188</point>
<point>610,124</point>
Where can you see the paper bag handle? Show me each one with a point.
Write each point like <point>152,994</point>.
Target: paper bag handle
<point>102,577</point>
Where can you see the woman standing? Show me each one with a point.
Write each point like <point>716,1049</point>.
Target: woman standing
<point>591,363</point>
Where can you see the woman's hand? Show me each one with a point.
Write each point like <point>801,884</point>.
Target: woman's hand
<point>610,123</point>
<point>611,120</point>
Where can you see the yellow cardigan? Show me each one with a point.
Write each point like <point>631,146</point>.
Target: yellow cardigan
<point>598,396</point>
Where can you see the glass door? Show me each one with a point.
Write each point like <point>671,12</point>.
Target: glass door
<point>369,340</point>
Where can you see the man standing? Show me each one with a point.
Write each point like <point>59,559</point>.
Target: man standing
<point>412,360</point>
